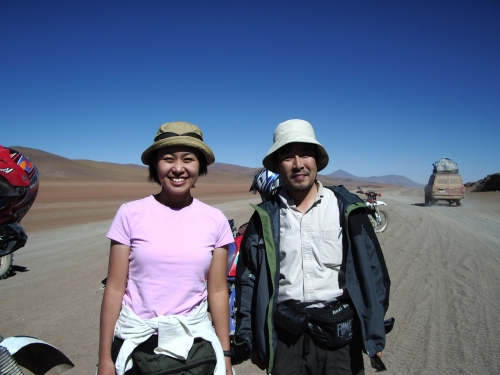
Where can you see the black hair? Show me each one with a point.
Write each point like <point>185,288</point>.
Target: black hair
<point>275,153</point>
<point>152,162</point>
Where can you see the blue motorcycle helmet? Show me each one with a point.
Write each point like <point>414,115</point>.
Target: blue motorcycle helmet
<point>265,182</point>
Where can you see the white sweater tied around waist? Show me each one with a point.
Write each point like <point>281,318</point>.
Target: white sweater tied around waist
<point>176,335</point>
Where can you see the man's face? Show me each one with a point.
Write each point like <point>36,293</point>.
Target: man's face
<point>297,166</point>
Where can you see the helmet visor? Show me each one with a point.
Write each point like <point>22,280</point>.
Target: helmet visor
<point>4,202</point>
<point>7,190</point>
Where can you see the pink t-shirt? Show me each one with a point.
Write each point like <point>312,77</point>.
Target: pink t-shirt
<point>170,254</point>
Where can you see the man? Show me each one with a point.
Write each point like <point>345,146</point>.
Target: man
<point>312,284</point>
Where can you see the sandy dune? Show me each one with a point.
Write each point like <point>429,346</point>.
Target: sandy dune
<point>444,263</point>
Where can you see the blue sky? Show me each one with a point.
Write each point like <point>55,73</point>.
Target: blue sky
<point>389,86</point>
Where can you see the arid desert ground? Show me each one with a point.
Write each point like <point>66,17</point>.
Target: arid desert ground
<point>444,263</point>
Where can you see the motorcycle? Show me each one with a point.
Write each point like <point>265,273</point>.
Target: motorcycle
<point>232,260</point>
<point>18,190</point>
<point>12,238</point>
<point>239,352</point>
<point>33,354</point>
<point>378,217</point>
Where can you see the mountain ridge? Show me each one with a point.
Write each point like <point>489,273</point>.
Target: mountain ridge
<point>386,179</point>
<point>55,167</point>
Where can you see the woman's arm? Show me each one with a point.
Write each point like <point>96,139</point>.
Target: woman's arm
<point>111,303</point>
<point>218,299</point>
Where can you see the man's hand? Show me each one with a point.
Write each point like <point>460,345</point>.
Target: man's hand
<point>257,360</point>
<point>377,363</point>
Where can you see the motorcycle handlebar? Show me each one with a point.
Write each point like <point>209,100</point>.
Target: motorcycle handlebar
<point>369,193</point>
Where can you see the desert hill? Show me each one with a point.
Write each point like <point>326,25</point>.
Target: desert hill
<point>54,167</point>
<point>490,183</point>
<point>84,191</point>
<point>387,179</point>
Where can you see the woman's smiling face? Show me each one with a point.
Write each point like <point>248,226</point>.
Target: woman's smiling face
<point>178,169</point>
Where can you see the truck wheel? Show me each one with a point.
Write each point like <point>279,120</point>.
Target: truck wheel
<point>5,265</point>
<point>459,202</point>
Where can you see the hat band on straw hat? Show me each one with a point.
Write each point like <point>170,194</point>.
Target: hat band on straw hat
<point>169,134</point>
<point>179,134</point>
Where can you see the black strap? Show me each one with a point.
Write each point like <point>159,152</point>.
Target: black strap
<point>170,134</point>
<point>307,344</point>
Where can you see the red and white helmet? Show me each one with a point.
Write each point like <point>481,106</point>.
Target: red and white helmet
<point>18,185</point>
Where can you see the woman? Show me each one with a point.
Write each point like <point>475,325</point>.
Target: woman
<point>163,248</point>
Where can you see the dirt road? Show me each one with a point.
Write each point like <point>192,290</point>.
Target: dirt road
<point>444,263</point>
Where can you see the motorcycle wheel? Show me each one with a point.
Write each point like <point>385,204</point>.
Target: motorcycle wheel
<point>384,221</point>
<point>5,265</point>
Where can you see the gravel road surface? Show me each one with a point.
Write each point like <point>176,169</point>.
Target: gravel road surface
<point>444,263</point>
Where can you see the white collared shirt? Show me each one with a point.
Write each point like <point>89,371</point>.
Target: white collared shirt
<point>310,249</point>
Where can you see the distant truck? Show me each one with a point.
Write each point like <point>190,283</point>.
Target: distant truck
<point>445,183</point>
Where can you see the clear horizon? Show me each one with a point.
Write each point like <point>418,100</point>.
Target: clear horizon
<point>390,87</point>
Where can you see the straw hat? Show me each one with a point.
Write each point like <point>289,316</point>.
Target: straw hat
<point>179,133</point>
<point>294,131</point>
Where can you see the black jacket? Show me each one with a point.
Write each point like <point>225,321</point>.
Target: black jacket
<point>257,276</point>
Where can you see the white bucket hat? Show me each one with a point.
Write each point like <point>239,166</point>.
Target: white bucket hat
<point>294,131</point>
